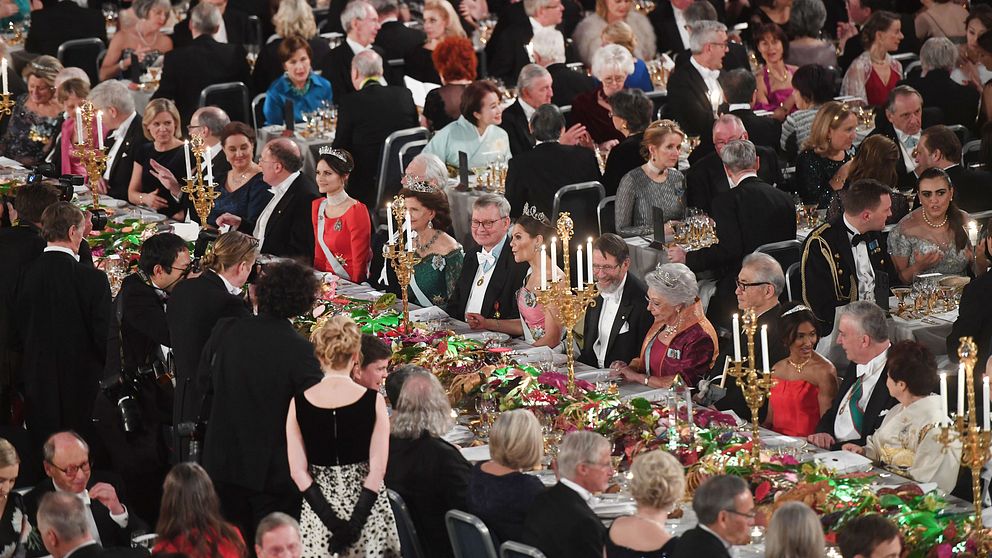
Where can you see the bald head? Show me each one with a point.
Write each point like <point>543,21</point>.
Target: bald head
<point>67,461</point>
<point>208,122</point>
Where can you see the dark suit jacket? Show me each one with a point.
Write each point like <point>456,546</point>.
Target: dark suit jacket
<point>696,543</point>
<point>120,171</point>
<point>761,130</point>
<point>829,277</point>
<point>194,308</point>
<point>706,179</point>
<point>878,401</point>
<point>365,120</point>
<point>505,52</point>
<point>624,157</point>
<point>183,77</point>
<point>63,21</point>
<point>507,277</point>
<point>257,364</point>
<point>19,246</point>
<point>907,180</point>
<point>432,477</point>
<point>568,83</point>
<point>517,128</point>
<point>96,550</point>
<point>972,188</point>
<point>687,100</point>
<point>396,40</point>
<point>235,23</point>
<point>632,313</point>
<point>335,67</point>
<point>143,323</point>
<point>111,534</point>
<point>561,525</point>
<point>974,319</point>
<point>666,29</point>
<point>289,232</point>
<point>535,175</point>
<point>959,103</point>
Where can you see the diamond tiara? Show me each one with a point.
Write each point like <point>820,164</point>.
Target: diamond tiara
<point>532,212</point>
<point>336,153</point>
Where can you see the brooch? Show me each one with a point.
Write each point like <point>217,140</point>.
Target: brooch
<point>538,332</point>
<point>338,226</point>
<point>530,299</point>
<point>437,262</point>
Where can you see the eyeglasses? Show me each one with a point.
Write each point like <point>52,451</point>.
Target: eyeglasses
<point>743,285</point>
<point>614,80</point>
<point>723,45</point>
<point>607,465</point>
<point>750,515</point>
<point>485,225</point>
<point>598,267</point>
<point>71,470</point>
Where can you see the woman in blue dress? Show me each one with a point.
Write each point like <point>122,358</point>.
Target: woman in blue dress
<point>242,190</point>
<point>441,257</point>
<point>299,84</point>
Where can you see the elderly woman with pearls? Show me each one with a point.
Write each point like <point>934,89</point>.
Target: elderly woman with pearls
<point>610,65</point>
<point>657,485</point>
<point>682,342</point>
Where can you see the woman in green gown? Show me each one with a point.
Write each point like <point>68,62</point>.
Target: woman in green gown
<point>440,255</point>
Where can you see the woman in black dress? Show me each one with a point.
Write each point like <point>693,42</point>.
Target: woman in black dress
<point>159,166</point>
<point>818,167</point>
<point>657,486</point>
<point>14,526</point>
<point>631,113</point>
<point>455,60</point>
<point>337,434</point>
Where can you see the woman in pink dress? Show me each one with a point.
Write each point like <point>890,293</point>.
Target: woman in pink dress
<point>71,94</point>
<point>807,382</point>
<point>341,224</point>
<point>775,77</point>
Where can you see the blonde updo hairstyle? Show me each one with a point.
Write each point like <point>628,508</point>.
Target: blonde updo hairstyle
<point>516,440</point>
<point>656,132</point>
<point>337,342</point>
<point>619,33</point>
<point>229,250</point>
<point>659,480</point>
<point>8,455</point>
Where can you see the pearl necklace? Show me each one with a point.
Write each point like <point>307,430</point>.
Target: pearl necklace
<point>927,221</point>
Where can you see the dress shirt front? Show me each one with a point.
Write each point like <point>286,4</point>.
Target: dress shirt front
<point>907,144</point>
<point>869,373</point>
<point>862,265</point>
<point>118,137</point>
<point>84,497</point>
<point>680,24</point>
<point>487,263</point>
<point>528,110</point>
<point>611,305</point>
<point>278,192</point>
<point>711,78</point>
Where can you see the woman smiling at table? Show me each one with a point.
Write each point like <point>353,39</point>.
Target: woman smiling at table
<point>144,40</point>
<point>932,238</point>
<point>818,167</point>
<point>341,224</point>
<point>299,84</point>
<point>476,132</point>
<point>441,257</point>
<point>157,165</point>
<point>682,342</point>
<point>242,190</point>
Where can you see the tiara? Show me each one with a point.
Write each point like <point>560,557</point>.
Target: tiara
<point>533,213</point>
<point>417,184</point>
<point>43,67</point>
<point>799,308</point>
<point>336,153</point>
<point>667,277</point>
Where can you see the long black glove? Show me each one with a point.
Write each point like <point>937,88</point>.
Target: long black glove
<point>322,508</point>
<point>359,516</point>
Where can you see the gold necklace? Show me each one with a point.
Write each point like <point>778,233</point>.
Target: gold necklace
<point>799,365</point>
<point>927,221</point>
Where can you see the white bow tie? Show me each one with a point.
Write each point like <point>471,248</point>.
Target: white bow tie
<point>708,73</point>
<point>486,259</point>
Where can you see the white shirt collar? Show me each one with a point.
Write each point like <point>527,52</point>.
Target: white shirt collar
<point>744,177</point>
<point>280,189</point>
<point>536,25</point>
<point>528,110</point>
<point>738,106</point>
<point>703,70</point>
<point>712,532</point>
<point>83,496</point>
<point>62,249</point>
<point>903,136</point>
<point>583,493</point>
<point>875,365</point>
<point>615,295</point>
<point>230,287</point>
<point>388,19</point>
<point>951,166</point>
<point>355,47</point>
<point>122,129</point>
<point>850,227</point>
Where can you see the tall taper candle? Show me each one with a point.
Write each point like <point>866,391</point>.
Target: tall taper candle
<point>589,255</point>
<point>79,125</point>
<point>764,349</point>
<point>985,402</point>
<point>737,338</point>
<point>961,375</point>
<point>210,167</point>
<point>578,265</point>
<point>409,233</point>
<point>3,71</point>
<point>554,259</point>
<point>544,267</point>
<point>99,128</point>
<point>389,221</point>
<point>189,168</point>
<point>943,398</point>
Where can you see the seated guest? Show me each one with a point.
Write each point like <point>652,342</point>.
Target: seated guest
<point>294,18</point>
<point>725,510</point>
<point>874,73</point>
<point>71,93</point>
<point>931,239</point>
<point>58,22</point>
<point>183,77</point>
<point>428,168</point>
<point>739,90</point>
<point>429,473</point>
<point>775,84</point>
<point>869,536</point>
<point>538,325</point>
<point>806,24</point>
<point>278,536</point>
<point>67,464</point>
<point>395,38</point>
<point>794,530</point>
<point>971,70</point>
<point>942,19</point>
<point>682,342</point>
<point>32,128</point>
<point>190,521</point>
<point>536,174</point>
<point>396,379</point>
<point>134,48</point>
<point>506,50</point>
<point>669,20</point>
<point>500,493</point>
<point>548,47</point>
<point>940,148</point>
<point>440,23</point>
<point>632,112</point>
<point>366,118</point>
<point>813,86</point>
<point>242,190</point>
<point>707,179</point>
<point>476,132</point>
<point>907,440</point>
<point>361,24</point>
<point>440,265</point>
<point>807,382</point>
<point>749,196</point>
<point>159,165</point>
<point>455,61</point>
<point>341,225</point>
<point>587,34</point>
<point>617,324</point>
<point>371,370</point>
<point>655,184</point>
<point>845,260</point>
<point>619,33</point>
<point>877,158</point>
<point>703,10</point>
<point>560,523</point>
<point>534,87</point>
<point>64,529</point>
<point>902,124</point>
<point>959,103</point>
<point>16,528</point>
<point>610,65</point>
<point>126,133</point>
<point>862,398</point>
<point>208,123</point>
<point>657,485</point>
<point>826,150</point>
<point>490,275</point>
<point>695,92</point>
<point>299,84</point>
<point>234,28</point>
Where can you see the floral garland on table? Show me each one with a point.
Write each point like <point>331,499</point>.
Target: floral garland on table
<point>122,238</point>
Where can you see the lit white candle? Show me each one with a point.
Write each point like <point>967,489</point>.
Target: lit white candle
<point>589,254</point>
<point>943,397</point>
<point>764,349</point>
<point>3,71</point>
<point>961,389</point>
<point>210,168</point>
<point>79,125</point>
<point>688,407</point>
<point>189,169</point>
<point>389,221</point>
<point>737,338</point>
<point>578,265</point>
<point>985,402</point>
<point>544,267</point>
<point>99,128</point>
<point>409,232</point>
<point>554,259</point>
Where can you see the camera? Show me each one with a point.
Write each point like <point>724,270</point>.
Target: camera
<point>123,393</point>
<point>67,185</point>
<point>99,218</point>
<point>42,171</point>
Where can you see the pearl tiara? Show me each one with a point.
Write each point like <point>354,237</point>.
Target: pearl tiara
<point>336,153</point>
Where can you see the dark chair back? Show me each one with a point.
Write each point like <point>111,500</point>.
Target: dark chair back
<point>606,215</point>
<point>83,53</point>
<point>971,153</point>
<point>581,202</point>
<point>786,252</point>
<point>232,97</point>
<point>470,538</point>
<point>390,173</point>
<point>792,280</point>
<point>513,549</point>
<point>258,112</point>
<point>409,543</point>
<point>409,151</point>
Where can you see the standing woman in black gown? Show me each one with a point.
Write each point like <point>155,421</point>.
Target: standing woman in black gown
<point>337,434</point>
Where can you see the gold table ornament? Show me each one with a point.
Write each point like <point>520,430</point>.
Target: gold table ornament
<point>91,156</point>
<point>755,385</point>
<point>200,188</point>
<point>400,252</point>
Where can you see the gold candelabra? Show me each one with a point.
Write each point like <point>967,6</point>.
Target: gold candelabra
<point>91,156</point>
<point>401,257</point>
<point>6,105</point>
<point>754,384</point>
<point>568,304</point>
<point>974,441</point>
<point>200,188</point>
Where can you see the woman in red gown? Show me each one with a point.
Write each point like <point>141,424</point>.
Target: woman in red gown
<point>341,224</point>
<point>874,73</point>
<point>807,382</point>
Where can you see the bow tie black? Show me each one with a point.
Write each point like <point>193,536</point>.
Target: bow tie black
<point>858,239</point>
